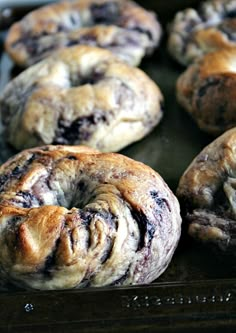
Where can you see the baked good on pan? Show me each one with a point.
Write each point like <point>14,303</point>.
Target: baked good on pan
<point>133,31</point>
<point>196,32</point>
<point>80,95</point>
<point>207,193</point>
<point>73,217</point>
<point>128,45</point>
<point>207,90</point>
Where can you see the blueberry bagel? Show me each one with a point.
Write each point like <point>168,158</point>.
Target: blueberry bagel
<point>73,217</point>
<point>207,193</point>
<point>196,32</point>
<point>207,90</point>
<point>121,26</point>
<point>80,95</point>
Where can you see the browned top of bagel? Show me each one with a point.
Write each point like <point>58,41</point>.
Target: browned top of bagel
<point>207,192</point>
<point>29,39</point>
<point>80,95</point>
<point>207,90</point>
<point>71,216</point>
<point>195,32</point>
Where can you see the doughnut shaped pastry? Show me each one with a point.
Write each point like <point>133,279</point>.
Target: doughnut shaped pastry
<point>207,191</point>
<point>73,217</point>
<point>196,32</point>
<point>121,26</point>
<point>207,90</point>
<point>80,95</point>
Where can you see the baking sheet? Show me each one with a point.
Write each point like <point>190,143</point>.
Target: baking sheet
<point>197,285</point>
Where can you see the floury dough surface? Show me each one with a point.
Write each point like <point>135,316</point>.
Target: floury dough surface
<point>73,217</point>
<point>80,95</point>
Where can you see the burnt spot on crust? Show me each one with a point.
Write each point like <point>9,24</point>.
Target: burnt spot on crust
<point>80,130</point>
<point>146,228</point>
<point>106,13</point>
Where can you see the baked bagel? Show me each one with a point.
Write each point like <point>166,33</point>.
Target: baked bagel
<point>80,95</point>
<point>121,26</point>
<point>196,32</point>
<point>207,90</point>
<point>73,217</point>
<point>207,193</point>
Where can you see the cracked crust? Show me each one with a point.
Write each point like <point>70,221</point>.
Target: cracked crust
<point>207,193</point>
<point>123,27</point>
<point>207,91</point>
<point>73,217</point>
<point>80,95</point>
<point>194,33</point>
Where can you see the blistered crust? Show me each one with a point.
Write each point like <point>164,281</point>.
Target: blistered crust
<point>194,33</point>
<point>207,91</point>
<point>207,192</point>
<point>73,217</point>
<point>123,27</point>
<point>80,95</point>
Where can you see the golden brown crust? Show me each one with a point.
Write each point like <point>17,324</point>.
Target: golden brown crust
<point>194,33</point>
<point>80,95</point>
<point>135,31</point>
<point>207,90</point>
<point>73,217</point>
<point>207,191</point>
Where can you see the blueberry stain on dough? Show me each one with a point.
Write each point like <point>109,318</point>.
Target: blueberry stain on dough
<point>145,227</point>
<point>80,130</point>
<point>3,180</point>
<point>162,203</point>
<point>50,260</point>
<point>106,13</point>
<point>209,83</point>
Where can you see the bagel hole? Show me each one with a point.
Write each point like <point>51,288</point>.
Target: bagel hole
<point>81,194</point>
<point>92,78</point>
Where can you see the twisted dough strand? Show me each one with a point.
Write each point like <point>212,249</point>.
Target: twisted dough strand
<point>73,217</point>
